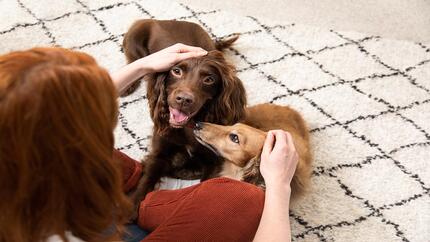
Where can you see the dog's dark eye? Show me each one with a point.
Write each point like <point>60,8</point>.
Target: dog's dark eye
<point>234,138</point>
<point>176,71</point>
<point>209,80</point>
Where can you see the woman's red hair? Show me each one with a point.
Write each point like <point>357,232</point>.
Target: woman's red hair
<point>58,110</point>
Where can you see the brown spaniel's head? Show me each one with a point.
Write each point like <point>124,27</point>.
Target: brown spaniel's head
<point>197,89</point>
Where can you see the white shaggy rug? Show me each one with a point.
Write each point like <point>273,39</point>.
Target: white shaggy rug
<point>365,98</point>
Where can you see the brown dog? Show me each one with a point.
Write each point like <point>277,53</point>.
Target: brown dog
<point>241,144</point>
<point>194,90</point>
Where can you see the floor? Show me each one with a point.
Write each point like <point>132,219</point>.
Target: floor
<point>396,19</point>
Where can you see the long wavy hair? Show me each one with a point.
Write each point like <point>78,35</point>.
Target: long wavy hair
<point>58,110</point>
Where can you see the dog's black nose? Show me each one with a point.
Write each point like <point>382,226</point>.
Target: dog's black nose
<point>198,126</point>
<point>184,98</point>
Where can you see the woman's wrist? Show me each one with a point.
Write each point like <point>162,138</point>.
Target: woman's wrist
<point>279,187</point>
<point>142,67</point>
<point>124,77</point>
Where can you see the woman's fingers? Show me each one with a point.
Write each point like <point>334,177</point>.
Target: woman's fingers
<point>290,142</point>
<point>187,48</point>
<point>181,48</point>
<point>268,144</point>
<point>183,52</point>
<point>281,140</point>
<point>186,55</point>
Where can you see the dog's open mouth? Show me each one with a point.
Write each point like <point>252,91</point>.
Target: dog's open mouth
<point>179,119</point>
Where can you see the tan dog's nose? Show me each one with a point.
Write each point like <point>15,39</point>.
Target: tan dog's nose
<point>198,126</point>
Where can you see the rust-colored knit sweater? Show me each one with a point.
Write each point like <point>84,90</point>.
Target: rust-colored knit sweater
<point>219,209</point>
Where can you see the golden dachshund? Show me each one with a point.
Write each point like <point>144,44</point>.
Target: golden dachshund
<point>241,144</point>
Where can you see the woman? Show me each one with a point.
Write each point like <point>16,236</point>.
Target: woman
<point>58,180</point>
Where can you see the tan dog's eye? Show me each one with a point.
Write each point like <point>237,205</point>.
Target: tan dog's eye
<point>176,71</point>
<point>208,80</point>
<point>234,138</point>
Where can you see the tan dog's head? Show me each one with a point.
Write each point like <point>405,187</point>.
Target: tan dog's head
<point>238,143</point>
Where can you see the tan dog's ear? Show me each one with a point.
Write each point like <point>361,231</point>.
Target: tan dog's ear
<point>157,99</point>
<point>252,172</point>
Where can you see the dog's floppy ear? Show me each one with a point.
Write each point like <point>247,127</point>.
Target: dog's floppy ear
<point>229,106</point>
<point>252,173</point>
<point>157,100</point>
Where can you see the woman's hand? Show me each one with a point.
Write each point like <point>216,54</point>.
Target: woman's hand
<point>166,58</point>
<point>278,164</point>
<point>156,62</point>
<point>278,159</point>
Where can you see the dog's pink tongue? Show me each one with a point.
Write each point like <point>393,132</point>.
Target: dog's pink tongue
<point>177,116</point>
